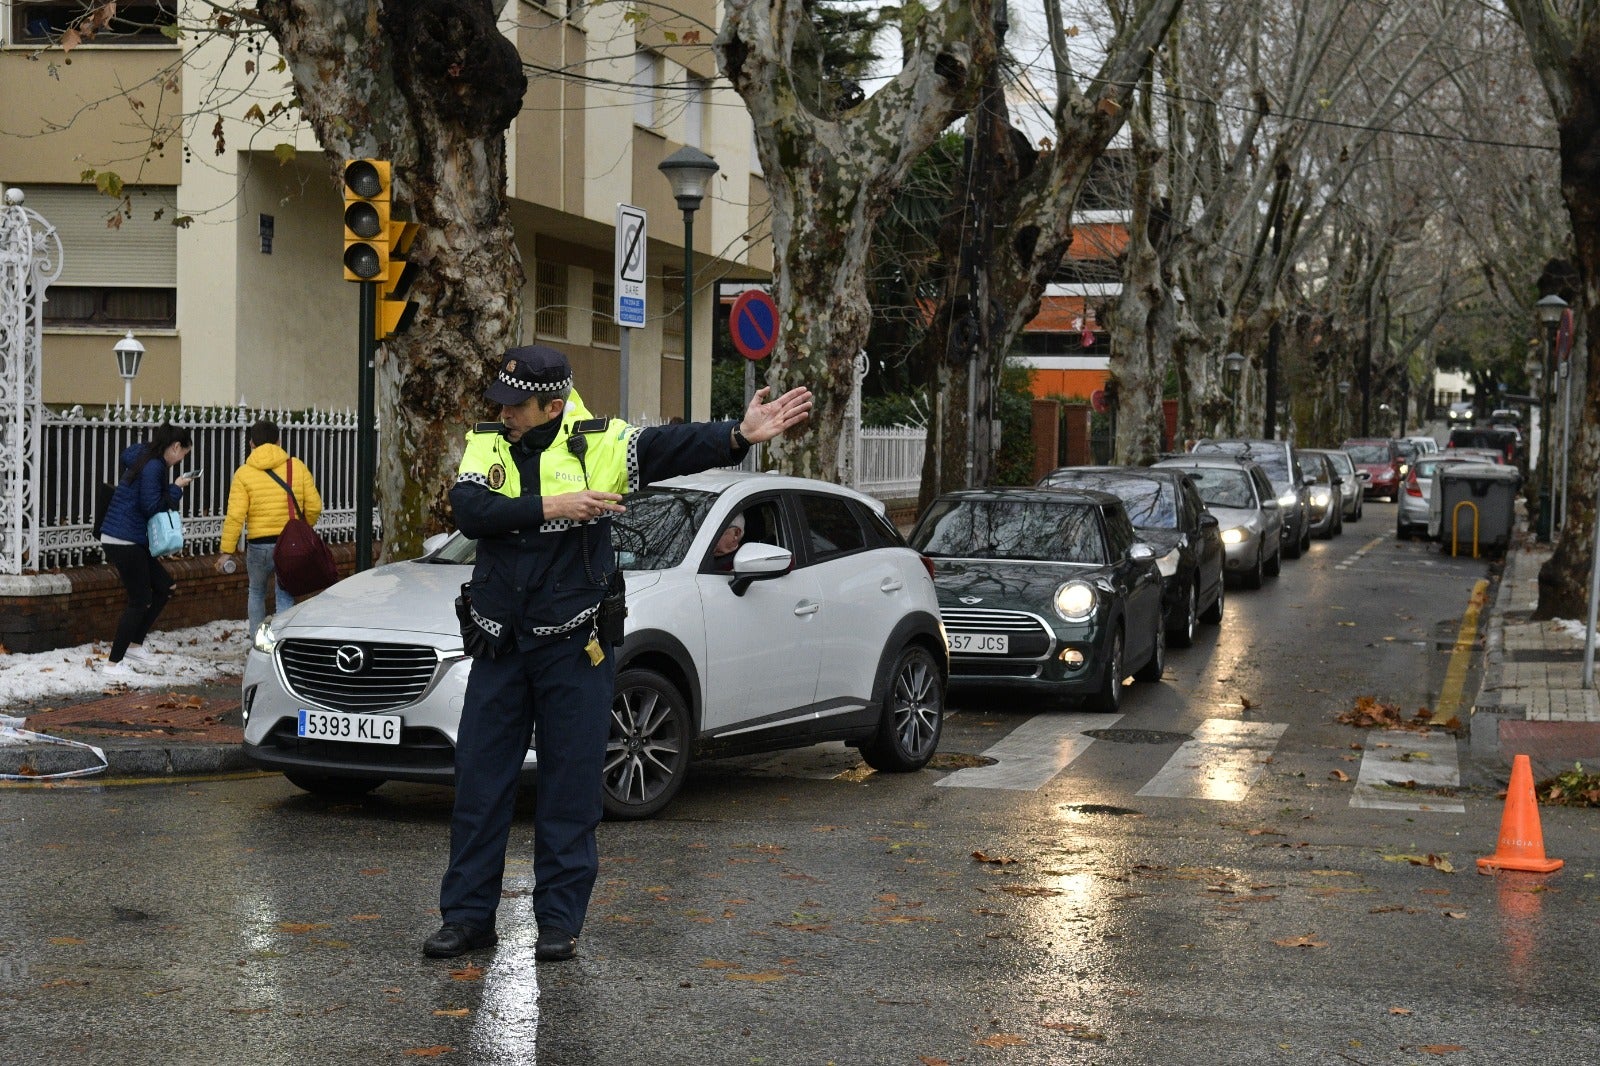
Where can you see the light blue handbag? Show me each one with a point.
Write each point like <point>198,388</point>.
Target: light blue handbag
<point>165,532</point>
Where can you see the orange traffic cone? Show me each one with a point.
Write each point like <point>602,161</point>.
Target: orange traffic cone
<point>1521,844</point>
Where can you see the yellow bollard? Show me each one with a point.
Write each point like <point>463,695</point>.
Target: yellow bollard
<point>1455,528</point>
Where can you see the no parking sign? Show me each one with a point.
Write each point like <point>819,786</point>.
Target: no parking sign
<point>753,322</point>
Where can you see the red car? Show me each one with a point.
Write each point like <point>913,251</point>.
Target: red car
<point>1381,457</point>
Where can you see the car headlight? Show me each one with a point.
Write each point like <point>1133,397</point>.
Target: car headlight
<point>1075,601</point>
<point>1168,563</point>
<point>1320,498</point>
<point>1235,535</point>
<point>1288,499</point>
<point>265,638</point>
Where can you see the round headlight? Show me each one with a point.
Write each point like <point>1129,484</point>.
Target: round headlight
<point>1320,499</point>
<point>1075,601</point>
<point>1234,535</point>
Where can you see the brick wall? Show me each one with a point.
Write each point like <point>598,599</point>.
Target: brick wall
<point>60,609</point>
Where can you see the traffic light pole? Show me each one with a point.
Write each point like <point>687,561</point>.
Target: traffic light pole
<point>366,428</point>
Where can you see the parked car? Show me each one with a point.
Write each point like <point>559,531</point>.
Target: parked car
<point>1422,444</point>
<point>1411,516</point>
<point>1505,416</point>
<point>1045,591</point>
<point>1380,457</point>
<point>1169,515</point>
<point>825,628</point>
<point>1435,496</point>
<point>1352,482</point>
<point>1282,465</point>
<point>1325,498</point>
<point>1238,493</point>
<point>1459,412</point>
<point>1505,441</point>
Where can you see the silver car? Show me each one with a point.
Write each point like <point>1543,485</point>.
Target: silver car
<point>1411,510</point>
<point>823,625</point>
<point>1238,493</point>
<point>1352,482</point>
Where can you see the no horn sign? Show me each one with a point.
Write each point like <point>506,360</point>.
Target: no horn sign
<point>754,324</point>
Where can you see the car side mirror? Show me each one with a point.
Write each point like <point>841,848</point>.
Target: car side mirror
<point>1363,475</point>
<point>1270,505</point>
<point>1338,481</point>
<point>1141,553</point>
<point>759,562</point>
<point>1308,479</point>
<point>433,543</point>
<point>1209,521</point>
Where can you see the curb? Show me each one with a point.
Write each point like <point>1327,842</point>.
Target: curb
<point>125,761</point>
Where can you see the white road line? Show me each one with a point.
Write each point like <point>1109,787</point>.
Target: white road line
<point>1429,759</point>
<point>1356,558</point>
<point>1033,753</point>
<point>1221,763</point>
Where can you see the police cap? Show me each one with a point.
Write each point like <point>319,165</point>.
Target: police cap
<point>535,370</point>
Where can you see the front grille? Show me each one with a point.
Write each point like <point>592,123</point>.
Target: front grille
<point>971,666</point>
<point>1029,637</point>
<point>387,676</point>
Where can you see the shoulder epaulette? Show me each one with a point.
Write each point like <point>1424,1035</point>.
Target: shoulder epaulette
<point>591,425</point>
<point>489,427</point>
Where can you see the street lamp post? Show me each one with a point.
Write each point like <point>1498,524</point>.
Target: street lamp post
<point>1233,368</point>
<point>1549,309</point>
<point>689,170</point>
<point>129,353</point>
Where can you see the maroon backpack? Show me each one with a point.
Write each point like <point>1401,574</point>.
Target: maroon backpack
<point>301,558</point>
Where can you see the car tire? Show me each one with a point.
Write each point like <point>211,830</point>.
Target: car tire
<point>332,787</point>
<point>1360,502</point>
<point>647,751</point>
<point>1257,577</point>
<point>1156,665</point>
<point>1182,634</point>
<point>913,715</point>
<point>1109,698</point>
<point>1291,549</point>
<point>1305,538</point>
<point>1274,565</point>
<point>1213,615</point>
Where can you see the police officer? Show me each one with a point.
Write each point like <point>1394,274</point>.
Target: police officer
<point>537,490</point>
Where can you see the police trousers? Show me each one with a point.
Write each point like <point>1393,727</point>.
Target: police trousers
<point>554,696</point>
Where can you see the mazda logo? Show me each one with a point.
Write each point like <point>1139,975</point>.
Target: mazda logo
<point>970,600</point>
<point>350,659</point>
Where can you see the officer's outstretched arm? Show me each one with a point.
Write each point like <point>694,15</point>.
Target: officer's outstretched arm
<point>481,512</point>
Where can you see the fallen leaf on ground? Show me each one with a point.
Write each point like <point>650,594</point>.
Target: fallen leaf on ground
<point>1399,1010</point>
<point>765,975</point>
<point>1300,942</point>
<point>1339,775</point>
<point>66,941</point>
<point>997,860</point>
<point>929,1060</point>
<point>300,928</point>
<point>458,1012</point>
<point>719,964</point>
<point>428,1052</point>
<point>1442,1049</point>
<point>467,973</point>
<point>1001,1040</point>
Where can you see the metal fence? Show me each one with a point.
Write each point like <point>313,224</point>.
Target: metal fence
<point>79,451</point>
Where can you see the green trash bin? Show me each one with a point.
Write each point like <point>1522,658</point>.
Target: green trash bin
<point>1484,491</point>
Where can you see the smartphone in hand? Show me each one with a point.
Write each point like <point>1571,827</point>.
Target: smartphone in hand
<point>192,474</point>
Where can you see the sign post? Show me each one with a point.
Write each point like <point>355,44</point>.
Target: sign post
<point>629,286</point>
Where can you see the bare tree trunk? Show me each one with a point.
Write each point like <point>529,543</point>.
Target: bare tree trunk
<point>431,85</point>
<point>1143,326</point>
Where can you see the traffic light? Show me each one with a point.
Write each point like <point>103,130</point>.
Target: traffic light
<point>394,311</point>
<point>366,220</point>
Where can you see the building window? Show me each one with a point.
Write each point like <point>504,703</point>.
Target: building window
<point>672,321</point>
<point>41,22</point>
<point>550,299</point>
<point>646,80</point>
<point>694,113</point>
<point>89,305</point>
<point>602,320</point>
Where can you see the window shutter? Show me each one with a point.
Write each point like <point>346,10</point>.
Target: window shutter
<point>143,253</point>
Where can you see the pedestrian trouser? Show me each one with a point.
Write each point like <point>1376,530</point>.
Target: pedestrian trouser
<point>553,695</point>
<point>259,566</point>
<point>148,585</point>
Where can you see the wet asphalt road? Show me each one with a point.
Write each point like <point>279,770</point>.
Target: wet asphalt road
<point>1147,903</point>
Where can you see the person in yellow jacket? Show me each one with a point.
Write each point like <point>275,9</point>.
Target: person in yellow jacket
<point>258,508</point>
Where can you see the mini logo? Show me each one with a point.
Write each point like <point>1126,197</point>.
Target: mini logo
<point>497,476</point>
<point>970,600</point>
<point>350,659</point>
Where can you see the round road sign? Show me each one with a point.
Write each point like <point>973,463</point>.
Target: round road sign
<point>754,324</point>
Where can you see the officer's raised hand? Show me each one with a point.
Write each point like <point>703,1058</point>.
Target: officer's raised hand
<point>582,506</point>
<point>763,421</point>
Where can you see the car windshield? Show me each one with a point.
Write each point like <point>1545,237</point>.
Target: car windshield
<point>1368,453</point>
<point>1220,487</point>
<point>654,534</point>
<point>1318,469</point>
<point>1341,462</point>
<point>1149,502</point>
<point>1011,529</point>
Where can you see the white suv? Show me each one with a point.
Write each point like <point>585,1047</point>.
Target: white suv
<point>824,626</point>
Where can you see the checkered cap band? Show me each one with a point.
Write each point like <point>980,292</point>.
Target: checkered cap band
<point>528,385</point>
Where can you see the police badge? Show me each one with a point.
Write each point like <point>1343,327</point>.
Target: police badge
<point>497,476</point>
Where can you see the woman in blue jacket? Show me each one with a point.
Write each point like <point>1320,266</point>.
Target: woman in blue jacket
<point>141,493</point>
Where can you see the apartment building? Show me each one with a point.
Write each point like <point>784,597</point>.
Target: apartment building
<point>222,254</point>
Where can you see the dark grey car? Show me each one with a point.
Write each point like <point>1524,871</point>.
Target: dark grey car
<point>1282,465</point>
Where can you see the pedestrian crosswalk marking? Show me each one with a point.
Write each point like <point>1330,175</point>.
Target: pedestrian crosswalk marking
<point>1430,760</point>
<point>1032,754</point>
<point>1222,762</point>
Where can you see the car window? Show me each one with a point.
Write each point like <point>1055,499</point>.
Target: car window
<point>1341,462</point>
<point>832,526</point>
<point>1149,503</point>
<point>1368,453</point>
<point>1120,535</point>
<point>1263,486</point>
<point>658,526</point>
<point>762,523</point>
<point>1317,468</point>
<point>1221,487</point>
<point>884,530</point>
<point>1011,529</point>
